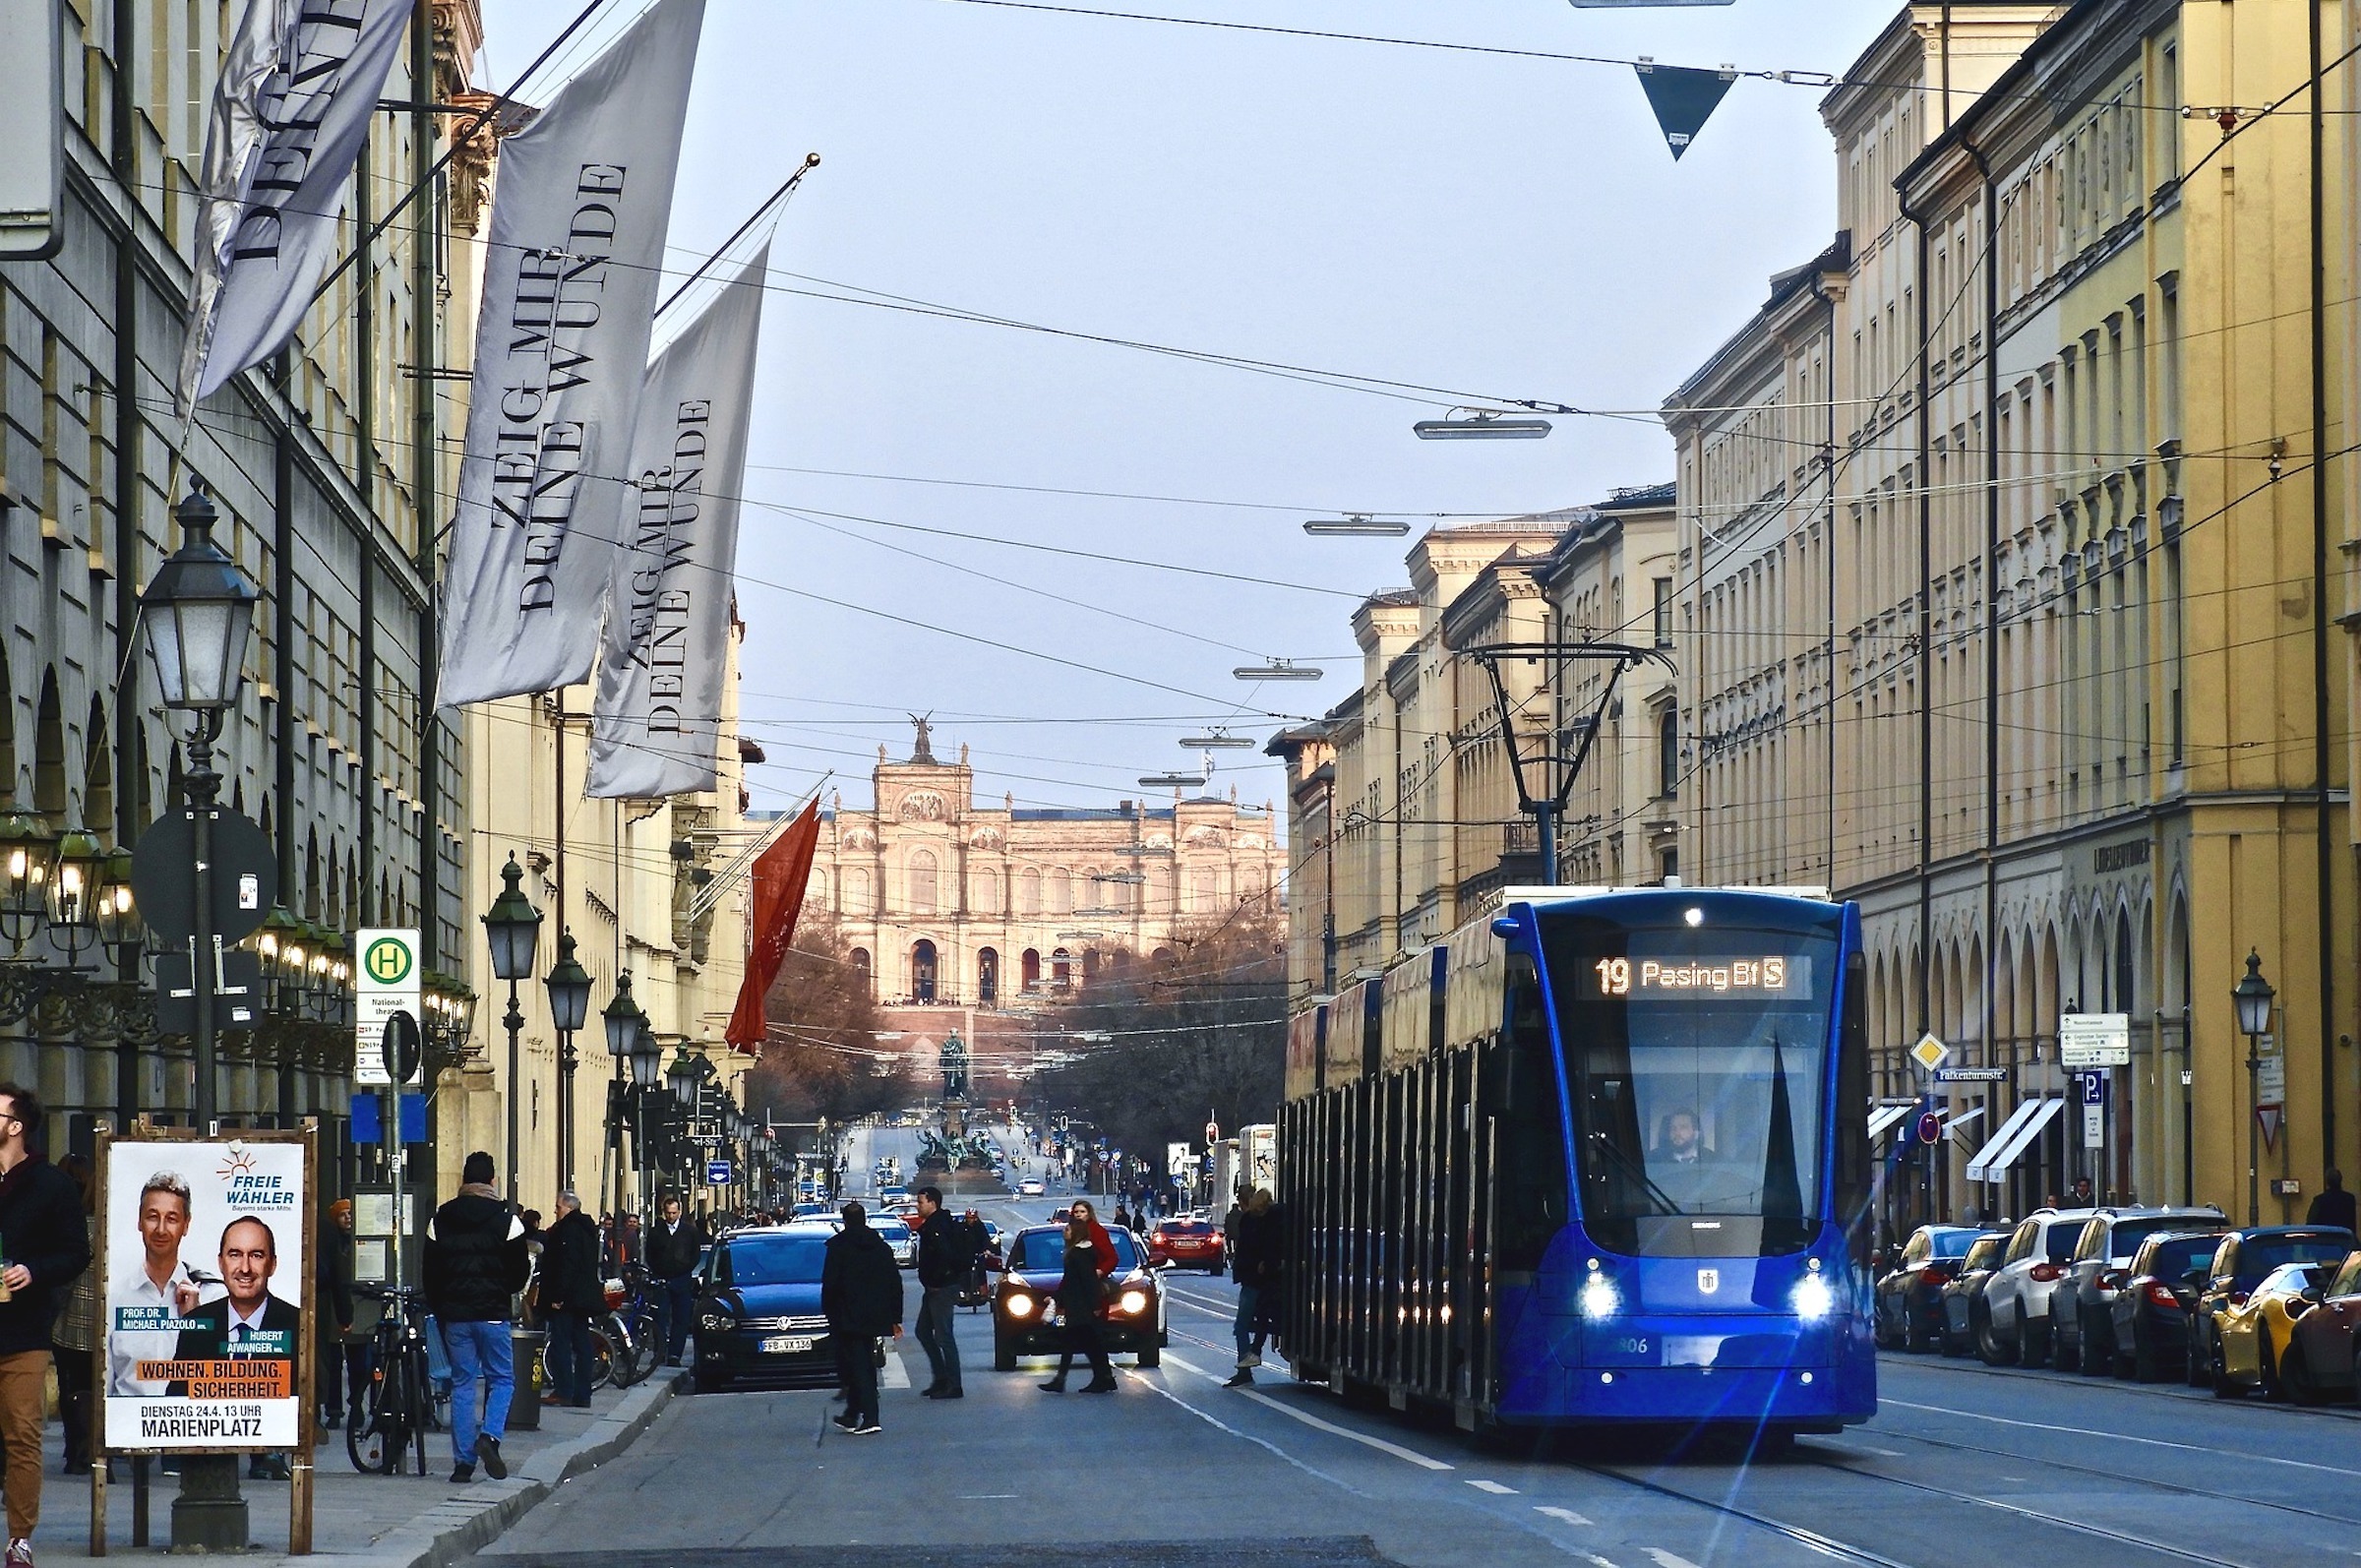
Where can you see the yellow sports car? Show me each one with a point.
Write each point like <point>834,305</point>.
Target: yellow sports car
<point>2254,1333</point>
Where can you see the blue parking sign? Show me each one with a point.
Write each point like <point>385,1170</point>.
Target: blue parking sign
<point>717,1173</point>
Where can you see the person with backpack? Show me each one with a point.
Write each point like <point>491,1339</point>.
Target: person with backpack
<point>945,1259</point>
<point>861,1293</point>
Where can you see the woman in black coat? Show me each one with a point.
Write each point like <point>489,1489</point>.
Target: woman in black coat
<point>1089,1259</point>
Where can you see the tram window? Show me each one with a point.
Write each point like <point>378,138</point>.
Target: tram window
<point>1531,1173</point>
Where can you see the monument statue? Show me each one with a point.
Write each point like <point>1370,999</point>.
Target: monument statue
<point>926,738</point>
<point>953,1062</point>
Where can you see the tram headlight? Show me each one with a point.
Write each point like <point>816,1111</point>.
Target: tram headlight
<point>1598,1297</point>
<point>1814,1299</point>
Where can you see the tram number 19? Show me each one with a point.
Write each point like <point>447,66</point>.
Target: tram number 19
<point>1614,977</point>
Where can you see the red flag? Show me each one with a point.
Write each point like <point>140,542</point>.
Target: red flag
<point>781,873</point>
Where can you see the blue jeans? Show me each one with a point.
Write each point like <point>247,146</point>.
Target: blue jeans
<point>1248,1298</point>
<point>478,1350</point>
<point>677,1307</point>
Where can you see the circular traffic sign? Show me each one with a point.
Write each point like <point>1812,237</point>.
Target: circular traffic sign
<point>1930,1127</point>
<point>399,1048</point>
<point>388,961</point>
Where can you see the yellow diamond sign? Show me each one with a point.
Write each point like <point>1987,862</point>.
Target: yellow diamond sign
<point>1929,1052</point>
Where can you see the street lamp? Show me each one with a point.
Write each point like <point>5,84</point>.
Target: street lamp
<point>28,853</point>
<point>2253,998</point>
<point>195,618</point>
<point>647,1060</point>
<point>513,926</point>
<point>569,985</point>
<point>681,1079</point>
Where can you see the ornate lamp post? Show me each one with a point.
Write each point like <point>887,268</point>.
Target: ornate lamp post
<point>197,617</point>
<point>569,985</point>
<point>27,855</point>
<point>647,1060</point>
<point>2253,996</point>
<point>513,926</point>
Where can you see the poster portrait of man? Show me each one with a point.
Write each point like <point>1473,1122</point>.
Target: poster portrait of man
<point>247,1322</point>
<point>163,1288</point>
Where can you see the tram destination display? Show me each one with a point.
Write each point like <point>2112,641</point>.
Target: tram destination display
<point>1776,976</point>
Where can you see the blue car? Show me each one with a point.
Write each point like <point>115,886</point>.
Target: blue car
<point>757,1309</point>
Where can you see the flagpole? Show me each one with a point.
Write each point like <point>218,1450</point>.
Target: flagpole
<point>811,162</point>
<point>711,893</point>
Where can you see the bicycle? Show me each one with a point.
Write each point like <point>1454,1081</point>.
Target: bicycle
<point>634,1322</point>
<point>398,1409</point>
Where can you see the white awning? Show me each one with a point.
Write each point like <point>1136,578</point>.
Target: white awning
<point>1884,1118</point>
<point>2002,1152</point>
<point>1993,1144</point>
<point>1951,1125</point>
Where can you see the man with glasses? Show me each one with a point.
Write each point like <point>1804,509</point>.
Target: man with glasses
<point>42,1239</point>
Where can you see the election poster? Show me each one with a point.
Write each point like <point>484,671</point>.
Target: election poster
<point>205,1247</point>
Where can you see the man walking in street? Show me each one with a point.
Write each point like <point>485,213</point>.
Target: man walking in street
<point>860,1291</point>
<point>573,1293</point>
<point>46,1248</point>
<point>672,1245</point>
<point>475,1264</point>
<point>1255,1263</point>
<point>945,1261</point>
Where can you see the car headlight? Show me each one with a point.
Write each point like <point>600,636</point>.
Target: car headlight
<point>1814,1299</point>
<point>1598,1297</point>
<point>1020,1307</point>
<point>715,1322</point>
<point>1133,1301</point>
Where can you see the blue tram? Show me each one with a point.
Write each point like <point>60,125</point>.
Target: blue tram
<point>1596,1158</point>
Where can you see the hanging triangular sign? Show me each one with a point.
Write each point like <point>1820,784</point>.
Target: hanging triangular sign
<point>1683,98</point>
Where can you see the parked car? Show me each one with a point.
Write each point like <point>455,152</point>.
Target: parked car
<point>2082,1307</point>
<point>2151,1310</point>
<point>2319,1361</point>
<point>758,1308</point>
<point>1024,1313</point>
<point>2240,1264</point>
<point>1907,1307</point>
<point>2254,1335</point>
<point>2012,1313</point>
<point>1963,1293</point>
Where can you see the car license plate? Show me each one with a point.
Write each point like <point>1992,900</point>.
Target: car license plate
<point>786,1345</point>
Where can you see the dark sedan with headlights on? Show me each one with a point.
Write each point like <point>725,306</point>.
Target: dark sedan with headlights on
<point>1024,1313</point>
<point>758,1308</point>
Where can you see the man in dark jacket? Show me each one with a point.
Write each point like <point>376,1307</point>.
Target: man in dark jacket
<point>572,1294</point>
<point>2334,1206</point>
<point>945,1261</point>
<point>672,1244</point>
<point>860,1291</point>
<point>1254,1238</point>
<point>45,1242</point>
<point>475,1264</point>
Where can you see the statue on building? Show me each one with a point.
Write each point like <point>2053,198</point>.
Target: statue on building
<point>926,736</point>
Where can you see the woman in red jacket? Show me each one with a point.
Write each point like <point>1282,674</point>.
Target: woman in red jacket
<point>1081,1294</point>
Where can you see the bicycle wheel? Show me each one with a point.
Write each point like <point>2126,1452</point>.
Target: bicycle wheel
<point>624,1351</point>
<point>602,1358</point>
<point>374,1433</point>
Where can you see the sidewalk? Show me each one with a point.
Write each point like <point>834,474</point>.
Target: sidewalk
<point>370,1521</point>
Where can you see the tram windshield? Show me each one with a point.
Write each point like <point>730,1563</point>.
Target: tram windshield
<point>1696,1061</point>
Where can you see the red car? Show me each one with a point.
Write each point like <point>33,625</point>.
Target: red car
<point>1187,1245</point>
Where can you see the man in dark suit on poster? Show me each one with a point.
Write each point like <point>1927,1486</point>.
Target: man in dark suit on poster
<point>249,1323</point>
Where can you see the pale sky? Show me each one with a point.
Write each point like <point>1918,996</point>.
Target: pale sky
<point>1510,227</point>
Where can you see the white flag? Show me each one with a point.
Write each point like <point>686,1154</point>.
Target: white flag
<point>290,112</point>
<point>581,204</point>
<point>656,715</point>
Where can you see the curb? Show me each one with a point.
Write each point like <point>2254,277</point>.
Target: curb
<point>454,1528</point>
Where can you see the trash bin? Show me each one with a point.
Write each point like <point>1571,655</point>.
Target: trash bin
<point>524,1411</point>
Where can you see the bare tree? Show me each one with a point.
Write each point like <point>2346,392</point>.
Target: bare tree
<point>822,1057</point>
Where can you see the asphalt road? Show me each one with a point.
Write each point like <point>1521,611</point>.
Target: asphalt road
<point>1964,1466</point>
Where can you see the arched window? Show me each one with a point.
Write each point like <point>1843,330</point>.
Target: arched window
<point>922,883</point>
<point>921,971</point>
<point>49,752</point>
<point>988,891</point>
<point>1028,885</point>
<point>1204,888</point>
<point>987,978</point>
<point>1062,892</point>
<point>856,892</point>
<point>1668,754</point>
<point>1030,969</point>
<point>97,773</point>
<point>1061,969</point>
<point>817,894</point>
<point>1250,880</point>
<point>861,971</point>
<point>1090,965</point>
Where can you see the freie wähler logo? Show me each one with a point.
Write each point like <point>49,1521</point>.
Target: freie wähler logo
<point>388,960</point>
<point>236,1162</point>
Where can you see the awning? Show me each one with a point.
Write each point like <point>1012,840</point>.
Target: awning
<point>1952,1124</point>
<point>1884,1118</point>
<point>2015,1136</point>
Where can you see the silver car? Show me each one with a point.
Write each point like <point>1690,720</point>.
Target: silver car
<point>2011,1316</point>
